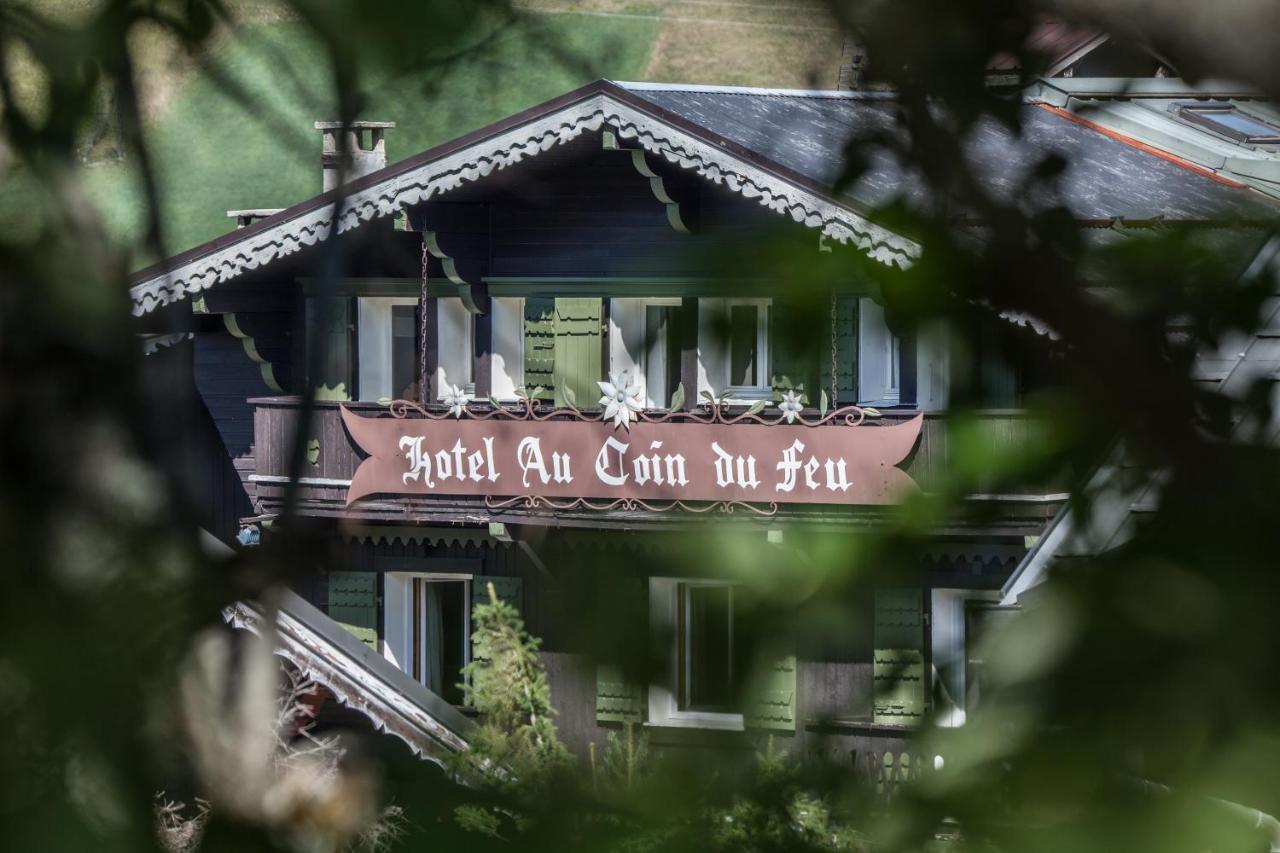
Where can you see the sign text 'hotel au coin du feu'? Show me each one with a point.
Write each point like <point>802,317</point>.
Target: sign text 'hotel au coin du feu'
<point>782,463</point>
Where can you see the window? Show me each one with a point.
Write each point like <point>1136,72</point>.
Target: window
<point>705,647</point>
<point>983,624</point>
<point>387,343</point>
<point>454,345</point>
<point>1231,122</point>
<point>879,357</point>
<point>428,629</point>
<point>697,621</point>
<point>644,341</point>
<point>733,348</point>
<point>661,352</point>
<point>508,346</point>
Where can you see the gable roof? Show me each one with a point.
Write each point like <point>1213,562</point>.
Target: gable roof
<point>781,148</point>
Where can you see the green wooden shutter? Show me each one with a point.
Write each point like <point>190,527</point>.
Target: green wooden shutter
<point>510,590</point>
<point>353,604</point>
<point>771,703</point>
<point>617,700</point>
<point>328,348</point>
<point>898,668</point>
<point>539,344</point>
<point>793,347</point>
<point>577,350</point>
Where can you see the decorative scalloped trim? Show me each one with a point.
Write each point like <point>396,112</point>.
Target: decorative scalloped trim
<point>505,150</point>
<point>351,684</point>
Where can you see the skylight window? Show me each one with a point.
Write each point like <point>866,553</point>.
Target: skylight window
<point>1230,121</point>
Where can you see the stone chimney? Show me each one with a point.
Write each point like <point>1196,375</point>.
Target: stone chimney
<point>355,151</point>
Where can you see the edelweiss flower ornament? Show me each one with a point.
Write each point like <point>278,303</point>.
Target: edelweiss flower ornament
<point>456,399</point>
<point>790,406</point>
<point>620,401</point>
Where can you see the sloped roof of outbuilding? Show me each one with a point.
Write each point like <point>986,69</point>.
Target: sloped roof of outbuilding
<point>781,148</point>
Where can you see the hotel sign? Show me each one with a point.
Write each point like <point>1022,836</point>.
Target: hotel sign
<point>589,461</point>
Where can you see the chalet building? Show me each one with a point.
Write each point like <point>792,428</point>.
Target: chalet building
<point>539,349</point>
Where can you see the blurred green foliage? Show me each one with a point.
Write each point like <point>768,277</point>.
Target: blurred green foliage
<point>1132,708</point>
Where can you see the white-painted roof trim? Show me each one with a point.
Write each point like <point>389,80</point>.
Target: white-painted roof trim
<point>861,94</point>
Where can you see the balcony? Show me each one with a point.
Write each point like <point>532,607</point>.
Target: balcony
<point>330,458</point>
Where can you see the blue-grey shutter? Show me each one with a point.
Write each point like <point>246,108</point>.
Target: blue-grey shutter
<point>794,348</point>
<point>353,604</point>
<point>898,668</point>
<point>328,346</point>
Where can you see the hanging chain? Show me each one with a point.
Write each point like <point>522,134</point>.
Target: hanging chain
<point>424,382</point>
<point>833,348</point>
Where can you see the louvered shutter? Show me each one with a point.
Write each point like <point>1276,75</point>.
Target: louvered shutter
<point>793,347</point>
<point>771,703</point>
<point>328,347</point>
<point>539,344</point>
<point>617,700</point>
<point>508,589</point>
<point>846,349</point>
<point>353,604</point>
<point>898,668</point>
<point>577,350</point>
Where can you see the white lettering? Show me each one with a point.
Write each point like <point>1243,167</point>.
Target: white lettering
<point>810,468</point>
<point>560,468</point>
<point>529,456</point>
<point>734,470</point>
<point>475,464</point>
<point>602,462</point>
<point>836,477</point>
<point>789,465</point>
<point>675,470</point>
<point>488,453</point>
<point>419,462</point>
<point>444,465</point>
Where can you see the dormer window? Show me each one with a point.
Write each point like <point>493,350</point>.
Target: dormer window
<point>1231,122</point>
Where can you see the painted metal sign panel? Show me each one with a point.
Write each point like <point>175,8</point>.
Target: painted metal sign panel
<point>732,461</point>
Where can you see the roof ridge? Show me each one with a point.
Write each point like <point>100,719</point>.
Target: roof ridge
<point>715,89</point>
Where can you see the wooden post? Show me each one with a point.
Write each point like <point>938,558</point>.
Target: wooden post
<point>482,348</point>
<point>689,351</point>
<point>430,350</point>
<point>907,362</point>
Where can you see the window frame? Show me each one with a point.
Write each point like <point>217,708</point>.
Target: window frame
<point>468,327</point>
<point>737,395</point>
<point>664,620</point>
<point>1200,114</point>
<point>399,617</point>
<point>657,344</point>
<point>374,351</point>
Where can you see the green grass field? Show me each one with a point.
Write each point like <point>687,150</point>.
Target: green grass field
<point>214,151</point>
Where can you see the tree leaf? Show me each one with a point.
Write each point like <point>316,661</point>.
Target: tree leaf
<point>677,399</point>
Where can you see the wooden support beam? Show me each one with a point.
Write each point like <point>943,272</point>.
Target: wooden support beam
<point>431,349</point>
<point>907,361</point>
<point>482,353</point>
<point>689,351</point>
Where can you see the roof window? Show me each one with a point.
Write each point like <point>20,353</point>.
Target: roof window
<point>1230,121</point>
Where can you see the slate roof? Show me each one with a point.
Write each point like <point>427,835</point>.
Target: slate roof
<point>779,148</point>
<point>1106,178</point>
<point>1147,112</point>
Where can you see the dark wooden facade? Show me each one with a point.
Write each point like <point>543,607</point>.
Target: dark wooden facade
<point>588,219</point>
